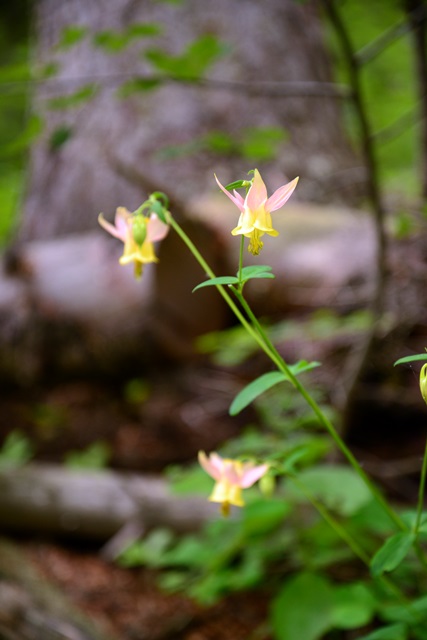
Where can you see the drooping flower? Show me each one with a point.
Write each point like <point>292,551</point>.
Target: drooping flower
<point>231,477</point>
<point>255,209</point>
<point>138,234</point>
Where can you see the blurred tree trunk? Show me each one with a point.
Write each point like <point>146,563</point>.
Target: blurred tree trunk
<point>79,165</point>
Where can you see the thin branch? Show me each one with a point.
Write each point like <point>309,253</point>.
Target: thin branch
<point>362,357</point>
<point>389,37</point>
<point>269,89</point>
<point>418,26</point>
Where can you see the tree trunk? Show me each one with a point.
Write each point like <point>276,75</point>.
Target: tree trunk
<point>280,42</point>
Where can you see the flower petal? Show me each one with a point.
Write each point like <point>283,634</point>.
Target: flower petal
<point>211,465</point>
<point>236,199</point>
<point>156,229</point>
<point>122,220</point>
<point>281,195</point>
<point>257,194</point>
<point>111,228</point>
<point>251,474</point>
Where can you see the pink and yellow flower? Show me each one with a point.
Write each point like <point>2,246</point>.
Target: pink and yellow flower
<point>231,477</point>
<point>123,229</point>
<point>255,209</point>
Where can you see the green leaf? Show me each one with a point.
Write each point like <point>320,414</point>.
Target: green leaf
<point>255,389</point>
<point>354,606</point>
<point>138,85</point>
<point>302,610</point>
<point>217,281</point>
<point>60,136</point>
<point>144,29</point>
<point>237,184</point>
<point>390,632</point>
<point>256,271</point>
<point>261,143</point>
<point>71,35</point>
<point>392,553</point>
<point>33,128</point>
<point>412,613</point>
<point>247,272</point>
<point>223,143</point>
<point>96,456</point>
<point>337,486</point>
<point>16,450</point>
<point>420,356</point>
<point>111,41</point>
<point>79,97</point>
<point>192,63</point>
<point>262,516</point>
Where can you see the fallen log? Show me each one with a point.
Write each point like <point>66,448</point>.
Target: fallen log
<point>51,499</point>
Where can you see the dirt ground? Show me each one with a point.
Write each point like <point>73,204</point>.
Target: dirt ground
<point>146,426</point>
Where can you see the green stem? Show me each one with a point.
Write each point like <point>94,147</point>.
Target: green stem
<point>358,551</point>
<point>242,246</point>
<point>282,366</point>
<point>332,522</point>
<point>262,339</point>
<point>224,293</point>
<point>421,493</point>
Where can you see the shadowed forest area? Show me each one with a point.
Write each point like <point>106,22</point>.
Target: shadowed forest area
<point>213,327</point>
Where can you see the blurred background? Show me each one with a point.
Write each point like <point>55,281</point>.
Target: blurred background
<point>104,102</point>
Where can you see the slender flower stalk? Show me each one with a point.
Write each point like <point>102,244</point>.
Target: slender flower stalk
<point>421,490</point>
<point>257,332</point>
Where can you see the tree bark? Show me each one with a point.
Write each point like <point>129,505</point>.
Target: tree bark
<point>281,43</point>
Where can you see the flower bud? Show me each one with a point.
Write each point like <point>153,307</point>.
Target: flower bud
<point>423,382</point>
<point>139,230</point>
<point>158,208</point>
<point>267,485</point>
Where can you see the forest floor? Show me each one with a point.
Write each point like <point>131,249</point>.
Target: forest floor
<point>146,426</point>
<point>143,434</point>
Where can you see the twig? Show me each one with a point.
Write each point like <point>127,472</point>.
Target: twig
<point>389,37</point>
<point>416,11</point>
<point>269,89</point>
<point>362,357</point>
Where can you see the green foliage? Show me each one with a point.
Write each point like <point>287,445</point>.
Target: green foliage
<point>75,99</point>
<point>268,380</point>
<point>16,451</point>
<point>390,632</point>
<point>113,42</point>
<point>302,608</point>
<point>254,144</point>
<point>308,605</point>
<point>96,456</point>
<point>386,89</point>
<point>136,391</point>
<point>71,35</point>
<point>336,486</point>
<point>248,273</point>
<point>192,63</point>
<point>392,553</point>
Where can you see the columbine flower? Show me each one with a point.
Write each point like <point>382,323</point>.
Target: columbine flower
<point>255,210</point>
<point>231,477</point>
<point>138,240</point>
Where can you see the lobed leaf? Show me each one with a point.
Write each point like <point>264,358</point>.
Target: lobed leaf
<point>392,553</point>
<point>217,281</point>
<point>420,356</point>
